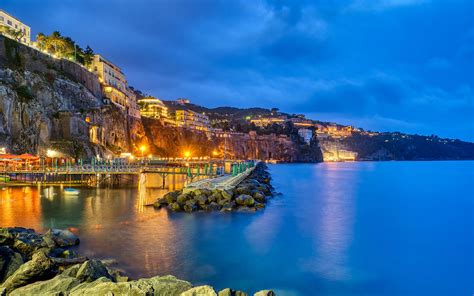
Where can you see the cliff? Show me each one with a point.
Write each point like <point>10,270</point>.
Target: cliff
<point>173,142</point>
<point>48,103</point>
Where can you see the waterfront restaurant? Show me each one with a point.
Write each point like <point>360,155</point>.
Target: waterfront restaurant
<point>18,162</point>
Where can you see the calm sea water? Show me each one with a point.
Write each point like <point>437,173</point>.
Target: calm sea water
<point>368,228</point>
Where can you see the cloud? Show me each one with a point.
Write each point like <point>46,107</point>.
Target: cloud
<point>380,5</point>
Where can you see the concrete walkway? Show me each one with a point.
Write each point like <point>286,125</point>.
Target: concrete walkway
<point>224,182</point>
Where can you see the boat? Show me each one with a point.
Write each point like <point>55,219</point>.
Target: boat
<point>71,191</point>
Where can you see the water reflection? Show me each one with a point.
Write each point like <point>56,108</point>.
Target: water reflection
<point>333,228</point>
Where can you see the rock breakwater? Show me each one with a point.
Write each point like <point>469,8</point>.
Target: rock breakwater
<point>44,264</point>
<point>249,195</point>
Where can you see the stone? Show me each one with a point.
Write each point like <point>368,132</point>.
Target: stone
<point>170,197</point>
<point>201,199</point>
<point>29,243</point>
<point>259,205</point>
<point>230,292</point>
<point>62,238</point>
<point>227,194</point>
<point>160,202</point>
<point>10,261</point>
<point>176,207</point>
<point>92,270</point>
<point>165,285</point>
<point>213,206</point>
<point>59,285</point>
<point>200,291</point>
<point>245,200</point>
<point>258,196</point>
<point>265,293</point>
<point>40,267</point>
<point>182,198</point>
<point>190,206</point>
<point>72,270</point>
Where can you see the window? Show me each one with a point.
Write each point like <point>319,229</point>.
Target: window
<point>9,22</point>
<point>1,18</point>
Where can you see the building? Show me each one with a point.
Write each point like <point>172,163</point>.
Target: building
<point>192,120</point>
<point>301,122</point>
<point>133,109</point>
<point>153,108</point>
<point>114,85</point>
<point>15,24</point>
<point>266,121</point>
<point>306,134</point>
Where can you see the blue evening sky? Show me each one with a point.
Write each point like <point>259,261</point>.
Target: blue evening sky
<point>389,65</point>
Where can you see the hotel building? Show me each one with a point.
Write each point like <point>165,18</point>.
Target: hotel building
<point>192,120</point>
<point>153,108</point>
<point>114,85</point>
<point>15,24</point>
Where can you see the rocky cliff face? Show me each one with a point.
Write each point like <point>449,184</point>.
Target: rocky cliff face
<point>172,142</point>
<point>47,103</point>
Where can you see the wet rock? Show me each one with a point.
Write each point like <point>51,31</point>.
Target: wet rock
<point>213,206</point>
<point>59,285</point>
<point>40,267</point>
<point>10,261</point>
<point>176,207</point>
<point>170,197</point>
<point>166,285</point>
<point>227,194</point>
<point>230,292</point>
<point>190,206</point>
<point>258,205</point>
<point>182,198</point>
<point>160,202</point>
<point>72,270</point>
<point>200,291</point>
<point>265,293</point>
<point>201,199</point>
<point>245,200</point>
<point>62,238</point>
<point>92,270</point>
<point>258,196</point>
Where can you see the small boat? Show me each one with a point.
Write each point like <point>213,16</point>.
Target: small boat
<point>71,191</point>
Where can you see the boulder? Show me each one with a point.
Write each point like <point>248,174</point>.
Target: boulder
<point>160,202</point>
<point>213,206</point>
<point>29,243</point>
<point>201,199</point>
<point>258,196</point>
<point>258,205</point>
<point>227,207</point>
<point>265,293</point>
<point>10,261</point>
<point>230,292</point>
<point>182,198</point>
<point>62,238</point>
<point>170,197</point>
<point>59,285</point>
<point>227,194</point>
<point>190,206</point>
<point>245,200</point>
<point>72,270</point>
<point>243,189</point>
<point>176,207</point>
<point>92,270</point>
<point>200,291</point>
<point>166,285</point>
<point>40,267</point>
<point>7,235</point>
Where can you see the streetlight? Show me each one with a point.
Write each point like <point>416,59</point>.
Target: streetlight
<point>187,154</point>
<point>143,149</point>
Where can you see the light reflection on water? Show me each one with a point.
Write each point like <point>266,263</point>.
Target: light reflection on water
<point>338,229</point>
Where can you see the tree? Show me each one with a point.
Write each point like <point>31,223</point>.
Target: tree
<point>15,34</point>
<point>88,56</point>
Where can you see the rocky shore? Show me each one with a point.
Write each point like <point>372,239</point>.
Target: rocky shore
<point>44,264</point>
<point>250,195</point>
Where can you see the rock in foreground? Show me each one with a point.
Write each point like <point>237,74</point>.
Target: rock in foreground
<point>36,264</point>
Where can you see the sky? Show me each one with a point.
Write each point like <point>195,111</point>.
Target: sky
<point>384,65</point>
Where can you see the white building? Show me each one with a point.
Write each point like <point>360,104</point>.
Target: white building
<point>15,24</point>
<point>192,120</point>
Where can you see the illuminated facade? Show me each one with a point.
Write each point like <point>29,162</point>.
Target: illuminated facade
<point>306,134</point>
<point>153,108</point>
<point>192,120</point>
<point>15,24</point>
<point>265,121</point>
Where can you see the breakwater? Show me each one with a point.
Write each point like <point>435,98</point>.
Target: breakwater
<point>39,264</point>
<point>251,194</point>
